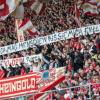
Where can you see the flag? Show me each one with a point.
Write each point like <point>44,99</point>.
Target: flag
<point>90,9</point>
<point>77,15</point>
<point>26,24</point>
<point>32,32</point>
<point>19,12</point>
<point>98,5</point>
<point>1,6</point>
<point>38,7</point>
<point>7,7</point>
<point>77,12</point>
<point>92,2</point>
<point>28,27</point>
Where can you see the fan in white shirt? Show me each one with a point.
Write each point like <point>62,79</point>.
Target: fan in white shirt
<point>35,66</point>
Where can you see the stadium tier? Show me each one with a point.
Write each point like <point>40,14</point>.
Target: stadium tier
<point>49,49</point>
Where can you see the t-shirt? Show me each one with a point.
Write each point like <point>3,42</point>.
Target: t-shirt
<point>36,69</point>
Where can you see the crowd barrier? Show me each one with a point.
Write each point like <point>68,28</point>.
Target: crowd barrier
<point>49,94</point>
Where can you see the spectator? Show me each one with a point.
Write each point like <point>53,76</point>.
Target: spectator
<point>80,55</point>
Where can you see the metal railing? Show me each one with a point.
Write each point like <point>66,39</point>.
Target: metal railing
<point>61,92</point>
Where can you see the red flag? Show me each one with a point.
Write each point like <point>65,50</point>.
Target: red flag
<point>93,2</point>
<point>7,7</point>
<point>77,15</point>
<point>37,6</point>
<point>77,12</point>
<point>33,31</point>
<point>4,9</point>
<point>26,24</point>
<point>90,7</point>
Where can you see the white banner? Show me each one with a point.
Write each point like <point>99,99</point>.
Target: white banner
<point>15,61</point>
<point>57,36</point>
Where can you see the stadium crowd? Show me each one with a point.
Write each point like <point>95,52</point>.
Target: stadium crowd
<point>79,55</point>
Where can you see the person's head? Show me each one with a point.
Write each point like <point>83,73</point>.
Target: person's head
<point>55,46</point>
<point>85,67</point>
<point>76,75</point>
<point>75,97</point>
<point>76,53</point>
<point>89,61</point>
<point>85,50</point>
<point>80,97</point>
<point>64,50</point>
<point>94,98</point>
<point>68,75</point>
<point>56,60</point>
<point>34,63</point>
<point>97,78</point>
<point>91,67</point>
<point>67,96</point>
<point>67,61</point>
<point>93,60</point>
<point>80,79</point>
<point>81,71</point>
<point>97,68</point>
<point>94,72</point>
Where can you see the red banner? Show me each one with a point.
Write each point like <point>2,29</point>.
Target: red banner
<point>18,85</point>
<point>28,84</point>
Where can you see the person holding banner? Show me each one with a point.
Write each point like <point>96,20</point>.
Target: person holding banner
<point>59,43</point>
<point>35,67</point>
